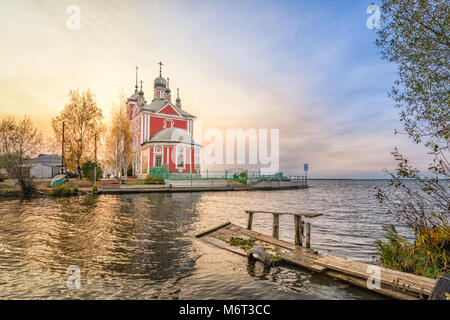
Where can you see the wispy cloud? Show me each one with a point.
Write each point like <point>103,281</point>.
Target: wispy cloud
<point>309,68</point>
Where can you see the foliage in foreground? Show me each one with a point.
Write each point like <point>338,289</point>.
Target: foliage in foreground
<point>429,256</point>
<point>415,35</point>
<point>63,191</point>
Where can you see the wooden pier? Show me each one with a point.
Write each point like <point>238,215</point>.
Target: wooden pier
<point>391,283</point>
<point>110,186</point>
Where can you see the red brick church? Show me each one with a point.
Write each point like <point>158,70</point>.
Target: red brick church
<point>161,131</point>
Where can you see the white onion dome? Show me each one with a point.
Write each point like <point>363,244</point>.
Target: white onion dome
<point>172,135</point>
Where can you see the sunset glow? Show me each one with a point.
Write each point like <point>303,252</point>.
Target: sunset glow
<point>310,69</point>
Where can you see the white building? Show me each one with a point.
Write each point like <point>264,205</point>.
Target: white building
<point>46,166</point>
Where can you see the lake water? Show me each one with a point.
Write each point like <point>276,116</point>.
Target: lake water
<point>142,246</point>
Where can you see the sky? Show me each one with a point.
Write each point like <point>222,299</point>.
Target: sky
<point>308,68</point>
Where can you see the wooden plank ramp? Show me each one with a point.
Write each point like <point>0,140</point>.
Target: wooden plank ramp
<point>394,284</point>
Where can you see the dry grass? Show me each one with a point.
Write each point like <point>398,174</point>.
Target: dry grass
<point>79,183</point>
<point>136,182</point>
<point>44,184</point>
<point>5,186</point>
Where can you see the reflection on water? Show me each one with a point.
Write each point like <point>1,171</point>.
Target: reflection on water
<point>142,246</point>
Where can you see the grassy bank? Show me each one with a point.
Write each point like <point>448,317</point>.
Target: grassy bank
<point>9,188</point>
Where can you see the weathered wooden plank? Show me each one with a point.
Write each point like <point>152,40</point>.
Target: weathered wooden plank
<point>298,230</point>
<point>307,215</point>
<point>309,264</point>
<point>212,229</point>
<point>395,279</point>
<point>276,226</point>
<point>223,245</point>
<point>250,221</point>
<point>360,265</point>
<point>394,283</point>
<point>317,268</point>
<point>363,284</point>
<point>307,234</point>
<point>303,261</point>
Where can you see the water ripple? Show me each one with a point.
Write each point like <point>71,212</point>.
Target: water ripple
<point>142,246</point>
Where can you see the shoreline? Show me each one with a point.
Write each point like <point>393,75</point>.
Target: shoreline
<point>16,194</point>
<point>194,189</point>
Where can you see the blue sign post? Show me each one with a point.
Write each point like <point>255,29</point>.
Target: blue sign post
<point>305,168</point>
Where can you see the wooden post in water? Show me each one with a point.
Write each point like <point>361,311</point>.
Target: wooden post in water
<point>308,234</point>
<point>250,220</point>
<point>298,230</point>
<point>276,225</point>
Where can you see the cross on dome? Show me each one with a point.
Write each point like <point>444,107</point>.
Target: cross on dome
<point>160,81</point>
<point>136,90</point>
<point>160,67</point>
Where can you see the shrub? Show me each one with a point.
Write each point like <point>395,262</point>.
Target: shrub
<point>241,180</point>
<point>153,180</point>
<point>88,170</point>
<point>10,192</point>
<point>428,256</point>
<point>94,188</point>
<point>62,191</point>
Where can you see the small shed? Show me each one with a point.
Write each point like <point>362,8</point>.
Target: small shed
<point>46,166</point>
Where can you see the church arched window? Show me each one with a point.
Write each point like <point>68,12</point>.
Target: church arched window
<point>158,156</point>
<point>180,157</point>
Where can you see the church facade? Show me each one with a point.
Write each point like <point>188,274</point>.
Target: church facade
<point>161,132</point>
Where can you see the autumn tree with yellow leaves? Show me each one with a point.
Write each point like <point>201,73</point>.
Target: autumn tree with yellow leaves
<point>82,120</point>
<point>118,153</point>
